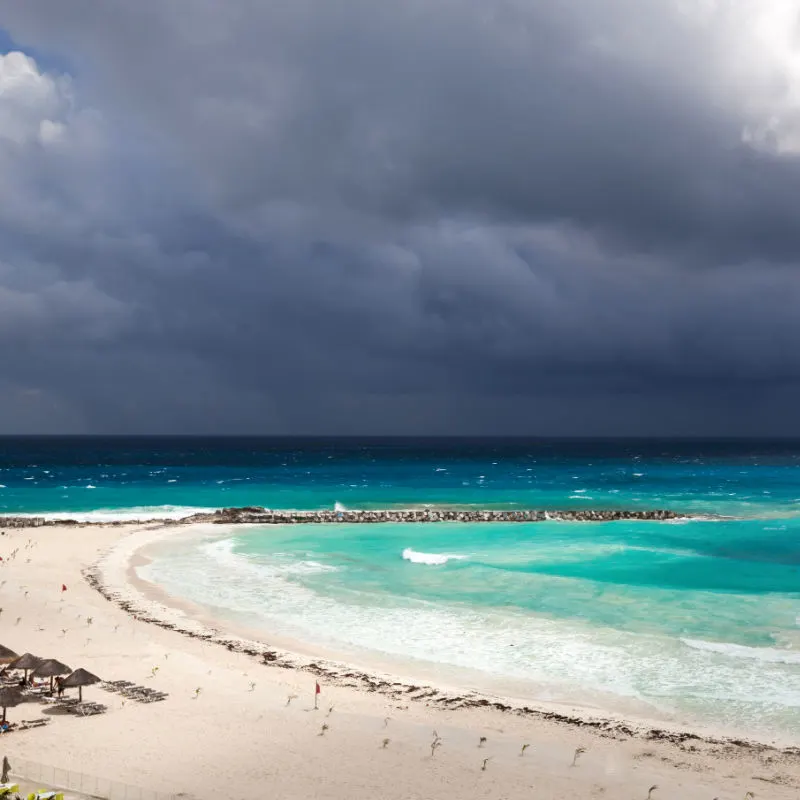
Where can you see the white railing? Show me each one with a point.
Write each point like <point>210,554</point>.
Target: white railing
<point>81,782</point>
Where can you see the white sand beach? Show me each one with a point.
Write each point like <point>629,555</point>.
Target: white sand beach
<point>236,727</point>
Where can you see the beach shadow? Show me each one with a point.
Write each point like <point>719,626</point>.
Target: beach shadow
<point>55,711</point>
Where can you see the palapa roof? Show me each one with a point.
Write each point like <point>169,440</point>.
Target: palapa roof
<point>7,654</point>
<point>26,661</point>
<point>10,696</point>
<point>50,667</point>
<point>81,677</point>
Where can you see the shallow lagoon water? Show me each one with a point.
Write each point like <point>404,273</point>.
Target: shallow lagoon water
<point>696,623</point>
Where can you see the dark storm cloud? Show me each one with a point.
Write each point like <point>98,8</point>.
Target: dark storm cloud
<point>355,217</point>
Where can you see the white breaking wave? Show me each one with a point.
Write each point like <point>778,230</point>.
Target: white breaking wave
<point>337,506</point>
<point>125,514</point>
<point>431,559</point>
<point>769,655</point>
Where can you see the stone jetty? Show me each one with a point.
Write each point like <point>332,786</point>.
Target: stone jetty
<point>264,516</point>
<point>255,515</point>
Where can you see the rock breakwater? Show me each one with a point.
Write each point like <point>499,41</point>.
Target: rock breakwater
<point>255,515</point>
<point>263,516</point>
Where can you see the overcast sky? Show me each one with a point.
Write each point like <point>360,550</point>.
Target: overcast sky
<point>423,216</point>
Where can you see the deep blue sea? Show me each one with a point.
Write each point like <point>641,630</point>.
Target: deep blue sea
<point>695,621</point>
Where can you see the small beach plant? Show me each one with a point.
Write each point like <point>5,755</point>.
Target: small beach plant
<point>578,752</point>
<point>386,743</point>
<point>485,762</point>
<point>197,692</point>
<point>524,748</point>
<point>482,741</point>
<point>323,728</point>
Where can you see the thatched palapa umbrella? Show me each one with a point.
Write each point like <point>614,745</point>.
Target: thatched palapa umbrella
<point>9,697</point>
<point>79,679</point>
<point>7,655</point>
<point>49,668</point>
<point>25,662</point>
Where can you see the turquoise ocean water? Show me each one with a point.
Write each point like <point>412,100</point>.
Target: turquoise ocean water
<point>697,621</point>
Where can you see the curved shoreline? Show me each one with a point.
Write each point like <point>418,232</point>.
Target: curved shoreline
<point>110,576</point>
<point>256,515</point>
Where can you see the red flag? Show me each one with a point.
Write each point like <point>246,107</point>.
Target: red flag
<point>63,587</point>
<point>318,689</point>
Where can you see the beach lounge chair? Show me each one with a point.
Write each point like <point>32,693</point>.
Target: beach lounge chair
<point>117,686</point>
<point>139,693</point>
<point>45,795</point>
<point>8,789</point>
<point>68,701</point>
<point>33,723</point>
<point>87,709</point>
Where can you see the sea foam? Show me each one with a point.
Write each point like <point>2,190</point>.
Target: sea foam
<point>431,559</point>
<point>125,514</point>
<point>768,655</point>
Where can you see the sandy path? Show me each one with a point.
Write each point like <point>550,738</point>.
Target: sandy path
<point>235,739</point>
